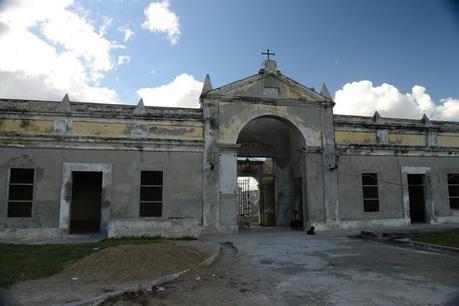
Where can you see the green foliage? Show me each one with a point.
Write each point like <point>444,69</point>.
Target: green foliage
<point>184,238</point>
<point>444,239</point>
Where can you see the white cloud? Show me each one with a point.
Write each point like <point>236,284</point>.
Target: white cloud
<point>128,33</point>
<point>22,14</point>
<point>363,98</point>
<point>158,18</point>
<point>448,109</point>
<point>183,91</point>
<point>106,22</point>
<point>123,59</point>
<point>69,56</point>
<point>78,36</point>
<point>18,85</point>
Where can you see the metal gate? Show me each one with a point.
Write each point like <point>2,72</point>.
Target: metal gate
<point>243,213</point>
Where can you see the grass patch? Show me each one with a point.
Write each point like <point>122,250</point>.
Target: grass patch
<point>138,297</point>
<point>20,262</point>
<point>445,239</point>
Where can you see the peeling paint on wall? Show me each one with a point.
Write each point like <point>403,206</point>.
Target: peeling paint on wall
<point>355,137</point>
<point>407,139</point>
<point>26,126</point>
<point>123,130</point>
<point>448,141</point>
<point>176,132</point>
<point>292,94</point>
<point>99,128</point>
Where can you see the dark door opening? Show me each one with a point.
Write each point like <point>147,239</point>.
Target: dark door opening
<point>267,202</point>
<point>416,194</point>
<point>86,202</point>
<point>297,218</point>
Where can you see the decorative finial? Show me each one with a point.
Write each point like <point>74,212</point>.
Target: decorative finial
<point>324,92</point>
<point>268,53</point>
<point>376,116</point>
<point>140,108</point>
<point>269,66</point>
<point>425,119</point>
<point>207,85</point>
<point>64,106</point>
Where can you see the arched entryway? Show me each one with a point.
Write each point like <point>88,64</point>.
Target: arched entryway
<point>272,150</point>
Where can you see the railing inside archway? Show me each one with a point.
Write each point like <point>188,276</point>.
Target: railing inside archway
<point>245,203</point>
<point>250,171</point>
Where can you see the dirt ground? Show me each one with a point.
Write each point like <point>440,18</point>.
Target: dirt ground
<point>281,267</point>
<point>220,284</point>
<point>273,267</point>
<point>109,270</point>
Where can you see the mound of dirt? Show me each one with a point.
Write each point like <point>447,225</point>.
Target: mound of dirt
<point>109,270</point>
<point>130,263</point>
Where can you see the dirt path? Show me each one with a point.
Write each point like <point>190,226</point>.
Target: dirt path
<point>221,284</point>
<point>109,270</point>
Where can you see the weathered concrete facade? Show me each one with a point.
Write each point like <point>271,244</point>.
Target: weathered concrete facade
<point>316,161</point>
<point>394,148</point>
<point>108,138</point>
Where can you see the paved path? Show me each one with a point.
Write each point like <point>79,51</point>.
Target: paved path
<point>283,267</point>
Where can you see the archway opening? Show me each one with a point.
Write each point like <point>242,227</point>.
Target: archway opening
<point>272,151</point>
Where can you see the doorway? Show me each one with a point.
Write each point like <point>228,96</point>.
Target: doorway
<point>268,202</point>
<point>416,184</point>
<point>85,212</point>
<point>272,150</point>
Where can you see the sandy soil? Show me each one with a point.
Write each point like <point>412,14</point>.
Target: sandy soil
<point>223,283</point>
<point>109,270</point>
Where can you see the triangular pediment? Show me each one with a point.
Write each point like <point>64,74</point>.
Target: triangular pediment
<point>269,85</point>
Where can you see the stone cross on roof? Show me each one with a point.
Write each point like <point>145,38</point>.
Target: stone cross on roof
<point>267,53</point>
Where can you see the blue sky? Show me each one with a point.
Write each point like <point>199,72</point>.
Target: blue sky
<point>410,46</point>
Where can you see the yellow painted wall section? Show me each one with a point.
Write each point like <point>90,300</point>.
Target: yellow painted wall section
<point>342,137</point>
<point>176,132</point>
<point>407,139</point>
<point>27,126</point>
<point>448,141</point>
<point>100,129</point>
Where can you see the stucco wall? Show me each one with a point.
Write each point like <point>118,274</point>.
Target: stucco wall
<point>448,140</point>
<point>182,191</point>
<point>95,127</point>
<point>347,137</point>
<point>26,126</point>
<point>315,187</point>
<point>234,116</point>
<point>388,169</point>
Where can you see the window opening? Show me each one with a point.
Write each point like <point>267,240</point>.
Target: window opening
<point>151,193</point>
<point>453,190</point>
<point>20,192</point>
<point>370,192</point>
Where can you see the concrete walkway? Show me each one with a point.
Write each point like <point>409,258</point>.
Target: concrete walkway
<point>284,267</point>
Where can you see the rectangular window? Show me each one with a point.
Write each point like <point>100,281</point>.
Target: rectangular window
<point>151,193</point>
<point>453,190</point>
<point>20,192</point>
<point>370,192</point>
